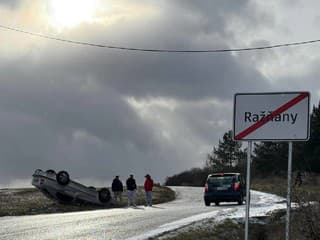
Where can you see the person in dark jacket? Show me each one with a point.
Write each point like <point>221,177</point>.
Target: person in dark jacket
<point>117,189</point>
<point>148,185</point>
<point>131,190</point>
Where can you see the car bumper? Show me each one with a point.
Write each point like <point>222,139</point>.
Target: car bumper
<point>222,196</point>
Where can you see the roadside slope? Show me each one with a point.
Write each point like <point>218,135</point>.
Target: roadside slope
<point>30,201</point>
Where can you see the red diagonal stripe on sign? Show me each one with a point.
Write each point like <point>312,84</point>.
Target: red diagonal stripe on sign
<point>264,120</point>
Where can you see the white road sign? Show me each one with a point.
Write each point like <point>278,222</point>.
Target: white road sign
<point>271,116</point>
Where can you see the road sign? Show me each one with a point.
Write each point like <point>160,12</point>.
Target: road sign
<point>280,116</point>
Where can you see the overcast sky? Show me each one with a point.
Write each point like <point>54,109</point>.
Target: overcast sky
<point>98,112</point>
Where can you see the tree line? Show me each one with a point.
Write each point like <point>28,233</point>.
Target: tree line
<point>268,158</point>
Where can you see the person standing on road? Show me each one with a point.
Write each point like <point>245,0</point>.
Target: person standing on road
<point>131,190</point>
<point>148,185</point>
<point>117,189</point>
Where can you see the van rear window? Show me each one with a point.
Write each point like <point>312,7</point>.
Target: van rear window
<point>221,180</point>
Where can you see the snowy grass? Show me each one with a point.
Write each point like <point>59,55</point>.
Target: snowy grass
<point>30,201</point>
<point>304,222</point>
<point>278,185</point>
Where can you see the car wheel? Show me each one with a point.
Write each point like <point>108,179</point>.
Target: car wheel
<point>207,203</point>
<point>217,203</point>
<point>38,171</point>
<point>63,178</point>
<point>104,195</point>
<point>50,171</point>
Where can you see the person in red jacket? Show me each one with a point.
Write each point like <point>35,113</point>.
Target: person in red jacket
<point>148,185</point>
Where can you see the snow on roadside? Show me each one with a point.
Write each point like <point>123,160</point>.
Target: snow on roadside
<point>262,204</point>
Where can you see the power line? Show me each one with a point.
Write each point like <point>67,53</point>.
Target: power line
<point>160,50</point>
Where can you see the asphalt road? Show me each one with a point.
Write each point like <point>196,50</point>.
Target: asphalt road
<point>112,224</point>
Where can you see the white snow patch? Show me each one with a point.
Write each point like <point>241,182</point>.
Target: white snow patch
<point>262,205</point>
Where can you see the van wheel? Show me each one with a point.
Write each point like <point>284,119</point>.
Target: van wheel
<point>217,203</point>
<point>207,203</point>
<point>63,178</point>
<point>104,195</point>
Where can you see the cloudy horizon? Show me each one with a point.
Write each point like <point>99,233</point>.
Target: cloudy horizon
<point>99,112</point>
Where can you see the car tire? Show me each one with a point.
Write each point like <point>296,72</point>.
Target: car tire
<point>104,195</point>
<point>207,203</point>
<point>217,203</point>
<point>50,171</point>
<point>63,178</point>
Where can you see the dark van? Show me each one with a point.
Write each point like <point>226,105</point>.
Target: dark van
<point>224,187</point>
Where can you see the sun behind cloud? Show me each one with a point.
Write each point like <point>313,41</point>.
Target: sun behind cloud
<point>70,13</point>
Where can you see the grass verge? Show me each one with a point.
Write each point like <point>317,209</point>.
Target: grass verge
<point>30,201</point>
<point>304,220</point>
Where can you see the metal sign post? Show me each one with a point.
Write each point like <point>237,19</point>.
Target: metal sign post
<point>278,116</point>
<point>248,190</point>
<point>289,191</point>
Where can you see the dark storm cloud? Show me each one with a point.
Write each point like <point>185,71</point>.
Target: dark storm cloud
<point>47,113</point>
<point>184,76</point>
<point>64,107</point>
<point>214,16</point>
<point>12,4</point>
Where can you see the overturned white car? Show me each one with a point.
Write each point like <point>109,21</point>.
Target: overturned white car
<point>60,187</point>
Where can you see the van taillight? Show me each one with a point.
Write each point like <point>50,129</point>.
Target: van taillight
<point>236,186</point>
<point>206,188</point>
